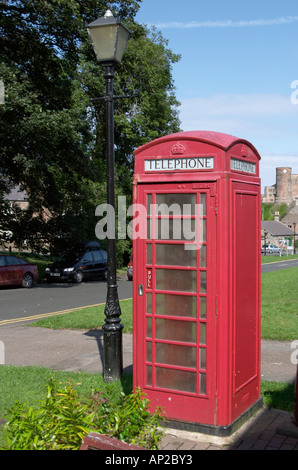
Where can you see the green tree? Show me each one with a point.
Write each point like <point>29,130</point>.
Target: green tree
<point>52,132</point>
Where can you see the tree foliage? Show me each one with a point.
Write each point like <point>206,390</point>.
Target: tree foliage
<point>52,132</point>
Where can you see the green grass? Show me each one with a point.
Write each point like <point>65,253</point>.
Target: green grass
<point>29,383</point>
<point>278,395</point>
<point>87,318</point>
<point>279,300</point>
<point>275,259</point>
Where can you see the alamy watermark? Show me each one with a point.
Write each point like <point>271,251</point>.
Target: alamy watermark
<point>170,222</point>
<point>294,355</point>
<point>294,95</point>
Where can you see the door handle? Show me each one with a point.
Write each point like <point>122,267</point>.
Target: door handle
<point>140,289</point>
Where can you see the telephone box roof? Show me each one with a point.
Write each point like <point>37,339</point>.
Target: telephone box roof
<point>219,139</point>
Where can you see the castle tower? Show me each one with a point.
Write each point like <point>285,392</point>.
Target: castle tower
<point>283,185</point>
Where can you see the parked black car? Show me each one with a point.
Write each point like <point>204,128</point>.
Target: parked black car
<point>129,269</point>
<point>85,261</point>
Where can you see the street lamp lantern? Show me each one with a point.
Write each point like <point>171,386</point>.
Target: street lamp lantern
<point>110,38</point>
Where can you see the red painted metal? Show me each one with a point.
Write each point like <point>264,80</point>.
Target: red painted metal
<point>197,316</point>
<point>296,400</point>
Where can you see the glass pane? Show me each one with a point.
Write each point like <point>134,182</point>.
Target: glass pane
<point>176,305</point>
<point>189,229</point>
<point>203,276</point>
<point>176,355</point>
<point>176,204</point>
<point>175,255</point>
<point>203,384</point>
<point>203,333</point>
<point>149,302</point>
<point>203,256</point>
<point>176,280</point>
<point>203,307</point>
<point>175,229</point>
<point>203,204</point>
<point>203,358</point>
<point>149,327</point>
<point>149,229</point>
<point>149,375</point>
<point>149,204</point>
<point>176,330</point>
<point>176,379</point>
<point>149,253</point>
<point>203,230</point>
<point>149,351</point>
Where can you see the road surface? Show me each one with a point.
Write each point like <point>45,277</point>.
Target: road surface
<point>20,303</point>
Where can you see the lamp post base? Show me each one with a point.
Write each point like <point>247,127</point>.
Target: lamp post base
<point>113,354</point>
<point>112,336</point>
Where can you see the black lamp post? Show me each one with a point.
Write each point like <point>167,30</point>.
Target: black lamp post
<point>294,225</point>
<point>110,38</point>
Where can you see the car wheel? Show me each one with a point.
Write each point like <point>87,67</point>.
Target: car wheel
<point>78,277</point>
<point>27,280</point>
<point>105,275</point>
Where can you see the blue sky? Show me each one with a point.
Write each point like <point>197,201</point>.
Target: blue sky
<point>238,71</point>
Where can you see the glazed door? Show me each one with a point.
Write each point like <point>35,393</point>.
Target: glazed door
<point>175,346</point>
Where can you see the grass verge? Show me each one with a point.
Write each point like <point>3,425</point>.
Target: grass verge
<point>87,318</point>
<point>265,259</point>
<point>279,305</point>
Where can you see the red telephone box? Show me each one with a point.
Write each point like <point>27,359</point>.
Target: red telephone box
<point>196,285</point>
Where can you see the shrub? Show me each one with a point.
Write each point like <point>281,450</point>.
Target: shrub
<point>63,419</point>
<point>60,423</point>
<point>129,419</point>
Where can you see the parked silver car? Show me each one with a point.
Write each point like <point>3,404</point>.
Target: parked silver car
<point>269,248</point>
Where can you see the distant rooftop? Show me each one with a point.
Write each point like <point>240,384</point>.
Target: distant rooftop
<point>16,194</point>
<point>277,229</point>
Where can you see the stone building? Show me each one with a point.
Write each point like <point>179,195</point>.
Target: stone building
<point>17,196</point>
<point>285,190</point>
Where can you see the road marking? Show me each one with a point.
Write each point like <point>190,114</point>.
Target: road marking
<point>50,314</point>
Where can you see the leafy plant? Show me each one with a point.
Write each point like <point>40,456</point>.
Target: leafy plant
<point>129,420</point>
<point>63,419</point>
<point>59,424</point>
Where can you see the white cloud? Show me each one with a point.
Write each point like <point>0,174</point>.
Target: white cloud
<point>270,122</point>
<point>229,23</point>
<point>241,104</point>
<point>261,115</point>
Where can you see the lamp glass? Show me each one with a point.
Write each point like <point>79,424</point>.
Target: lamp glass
<point>122,39</point>
<point>109,41</point>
